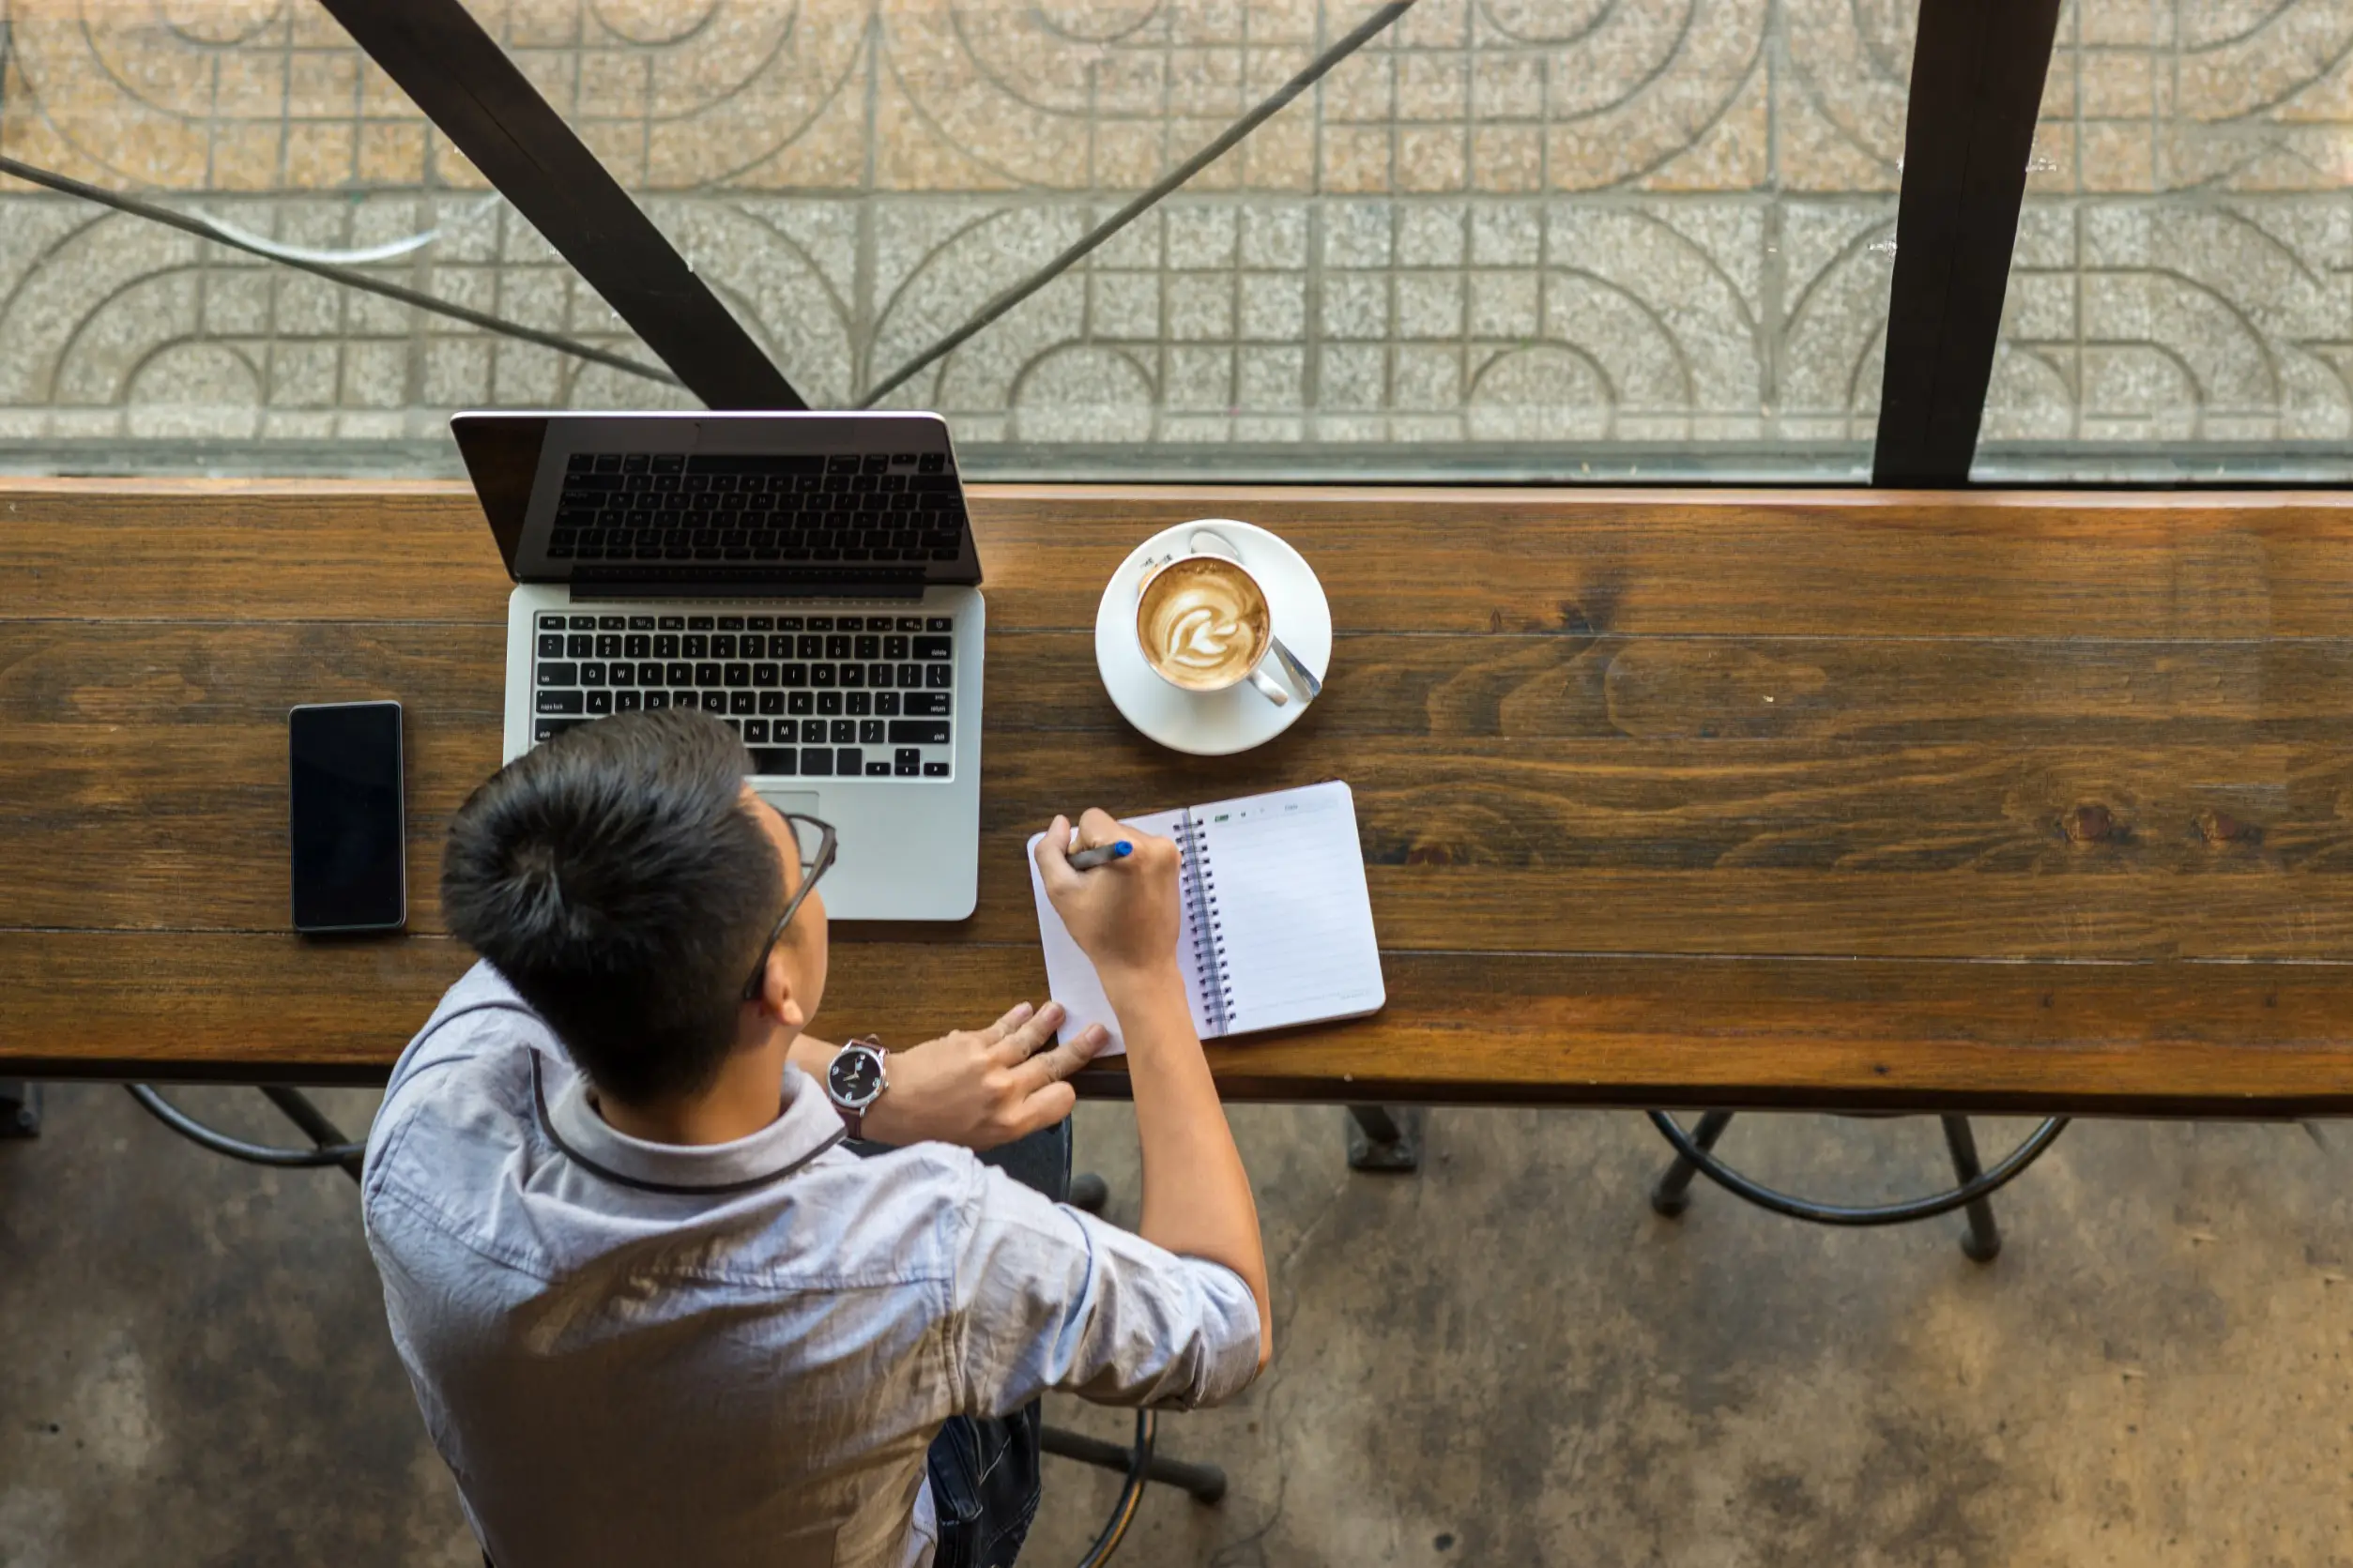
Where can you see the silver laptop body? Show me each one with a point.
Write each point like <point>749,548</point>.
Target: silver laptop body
<point>808,578</point>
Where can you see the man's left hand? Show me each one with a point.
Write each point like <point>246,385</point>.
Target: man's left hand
<point>981,1088</point>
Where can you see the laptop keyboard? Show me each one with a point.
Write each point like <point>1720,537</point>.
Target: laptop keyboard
<point>673,507</point>
<point>813,696</point>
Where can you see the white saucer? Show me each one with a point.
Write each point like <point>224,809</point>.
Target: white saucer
<point>1212,723</point>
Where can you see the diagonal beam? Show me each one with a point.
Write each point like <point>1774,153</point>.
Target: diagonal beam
<point>469,87</point>
<point>1266,109</point>
<point>1977,82</point>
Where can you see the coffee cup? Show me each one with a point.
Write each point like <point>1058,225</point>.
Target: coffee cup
<point>1203,624</point>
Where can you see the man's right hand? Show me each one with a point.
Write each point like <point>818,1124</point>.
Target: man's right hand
<point>1123,915</point>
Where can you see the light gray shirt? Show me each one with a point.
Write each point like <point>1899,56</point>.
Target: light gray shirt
<point>632,1352</point>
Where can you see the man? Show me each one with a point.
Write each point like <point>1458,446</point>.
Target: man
<point>653,1311</point>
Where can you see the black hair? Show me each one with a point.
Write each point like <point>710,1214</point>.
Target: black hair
<point>615,879</point>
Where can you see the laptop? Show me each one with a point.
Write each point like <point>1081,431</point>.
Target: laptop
<point>810,579</point>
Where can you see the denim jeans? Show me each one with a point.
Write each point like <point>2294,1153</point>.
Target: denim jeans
<point>985,1485</point>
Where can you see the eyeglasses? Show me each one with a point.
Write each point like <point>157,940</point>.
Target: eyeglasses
<point>813,863</point>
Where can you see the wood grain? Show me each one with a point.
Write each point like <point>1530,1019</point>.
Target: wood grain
<point>1834,798</point>
<point>1822,563</point>
<point>2227,1039</point>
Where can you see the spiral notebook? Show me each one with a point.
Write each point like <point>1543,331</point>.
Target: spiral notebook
<point>1278,925</point>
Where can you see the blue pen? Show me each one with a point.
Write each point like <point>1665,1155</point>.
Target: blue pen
<point>1102,854</point>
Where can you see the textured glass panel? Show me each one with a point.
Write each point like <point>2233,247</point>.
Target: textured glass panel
<point>1576,237</point>
<point>2178,301</point>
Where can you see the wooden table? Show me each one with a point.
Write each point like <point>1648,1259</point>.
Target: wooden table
<point>1830,799</point>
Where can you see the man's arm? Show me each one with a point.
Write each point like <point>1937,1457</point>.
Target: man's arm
<point>977,1088</point>
<point>1124,917</point>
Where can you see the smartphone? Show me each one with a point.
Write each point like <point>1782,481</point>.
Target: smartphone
<point>349,819</point>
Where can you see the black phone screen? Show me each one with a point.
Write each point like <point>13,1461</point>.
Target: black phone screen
<point>348,817</point>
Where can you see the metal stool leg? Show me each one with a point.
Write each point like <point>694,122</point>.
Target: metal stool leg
<point>1384,1138</point>
<point>1205,1482</point>
<point>19,1109</point>
<point>1672,1195</point>
<point>1983,1240</point>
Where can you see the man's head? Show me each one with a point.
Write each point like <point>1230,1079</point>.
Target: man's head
<point>623,879</point>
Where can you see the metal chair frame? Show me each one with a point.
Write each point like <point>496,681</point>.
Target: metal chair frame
<point>1982,1241</point>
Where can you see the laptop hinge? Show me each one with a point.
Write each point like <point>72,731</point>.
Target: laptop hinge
<point>897,585</point>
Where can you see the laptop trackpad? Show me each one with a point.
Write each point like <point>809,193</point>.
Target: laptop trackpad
<point>802,800</point>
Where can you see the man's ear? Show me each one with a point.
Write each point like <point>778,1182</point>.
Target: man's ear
<point>777,1004</point>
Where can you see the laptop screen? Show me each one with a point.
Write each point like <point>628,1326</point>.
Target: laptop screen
<point>723,503</point>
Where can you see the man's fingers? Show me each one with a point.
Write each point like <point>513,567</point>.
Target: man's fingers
<point>1053,853</point>
<point>1051,1067</point>
<point>1097,826</point>
<point>1020,1042</point>
<point>1005,1026</point>
<point>1045,1107</point>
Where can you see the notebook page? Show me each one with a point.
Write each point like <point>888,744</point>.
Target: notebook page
<point>1070,977</point>
<point>1288,874</point>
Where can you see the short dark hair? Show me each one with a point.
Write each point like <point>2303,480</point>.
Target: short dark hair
<point>613,876</point>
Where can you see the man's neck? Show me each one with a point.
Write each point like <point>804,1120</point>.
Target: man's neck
<point>747,1096</point>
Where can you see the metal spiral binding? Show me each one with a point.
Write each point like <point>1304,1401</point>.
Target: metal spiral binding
<point>1205,924</point>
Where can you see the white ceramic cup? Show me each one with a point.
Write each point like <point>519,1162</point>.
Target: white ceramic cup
<point>1286,681</point>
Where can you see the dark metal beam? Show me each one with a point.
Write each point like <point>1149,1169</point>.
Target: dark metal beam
<point>1977,82</point>
<point>469,87</point>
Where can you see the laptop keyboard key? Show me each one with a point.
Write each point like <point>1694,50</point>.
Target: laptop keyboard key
<point>926,705</point>
<point>843,730</point>
<point>772,759</point>
<point>919,732</point>
<point>559,675</point>
<point>938,676</point>
<point>559,702</point>
<point>907,762</point>
<point>813,732</point>
<point>848,762</point>
<point>548,729</point>
<point>771,702</point>
<point>816,762</point>
<point>626,702</point>
<point>756,732</point>
<point>869,732</point>
<point>600,702</point>
<point>741,703</point>
<point>935,769</point>
<point>714,702</point>
<point>887,703</point>
<point>801,702</point>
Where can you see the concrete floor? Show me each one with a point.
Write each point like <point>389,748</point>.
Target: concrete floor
<point>1506,1360</point>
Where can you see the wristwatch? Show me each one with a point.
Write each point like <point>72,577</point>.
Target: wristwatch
<point>855,1079</point>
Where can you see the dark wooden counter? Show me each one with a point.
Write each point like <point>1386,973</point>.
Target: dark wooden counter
<point>1831,798</point>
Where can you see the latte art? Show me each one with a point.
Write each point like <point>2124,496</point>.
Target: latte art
<point>1203,623</point>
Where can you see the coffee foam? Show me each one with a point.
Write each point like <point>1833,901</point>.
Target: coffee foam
<point>1202,623</point>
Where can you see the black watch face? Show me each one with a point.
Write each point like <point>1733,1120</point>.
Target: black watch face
<point>855,1076</point>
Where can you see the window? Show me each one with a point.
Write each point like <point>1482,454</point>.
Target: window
<point>1503,238</point>
<point>2177,304</point>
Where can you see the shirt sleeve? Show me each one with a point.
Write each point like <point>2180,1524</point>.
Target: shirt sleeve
<point>1046,1296</point>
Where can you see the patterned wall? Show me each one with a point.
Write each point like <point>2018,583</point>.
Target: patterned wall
<point>1645,227</point>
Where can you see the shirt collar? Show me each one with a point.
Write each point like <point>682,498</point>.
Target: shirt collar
<point>806,1127</point>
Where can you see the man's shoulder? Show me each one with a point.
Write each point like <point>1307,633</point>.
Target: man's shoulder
<point>468,1067</point>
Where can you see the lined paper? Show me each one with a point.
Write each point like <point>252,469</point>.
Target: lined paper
<point>1285,879</point>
